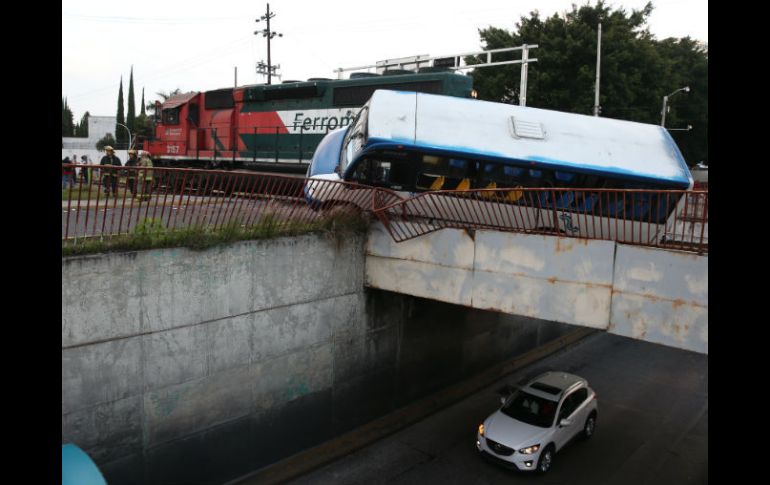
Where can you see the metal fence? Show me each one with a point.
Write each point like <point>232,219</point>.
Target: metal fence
<point>116,200</point>
<point>666,219</point>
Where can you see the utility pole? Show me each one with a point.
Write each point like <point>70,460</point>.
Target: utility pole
<point>597,109</point>
<point>523,81</point>
<point>269,34</point>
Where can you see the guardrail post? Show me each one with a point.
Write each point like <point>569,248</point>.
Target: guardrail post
<point>255,144</point>
<point>276,144</point>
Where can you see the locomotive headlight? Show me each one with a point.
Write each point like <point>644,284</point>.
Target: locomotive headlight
<point>529,449</point>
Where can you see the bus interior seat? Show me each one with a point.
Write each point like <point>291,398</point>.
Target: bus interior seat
<point>438,183</point>
<point>515,195</point>
<point>490,185</point>
<point>464,184</point>
<point>612,207</point>
<point>585,203</point>
<point>565,200</point>
<point>640,206</point>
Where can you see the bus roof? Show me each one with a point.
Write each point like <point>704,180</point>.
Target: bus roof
<point>550,139</point>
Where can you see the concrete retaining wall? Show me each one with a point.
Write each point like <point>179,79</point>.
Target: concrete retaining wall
<point>184,366</point>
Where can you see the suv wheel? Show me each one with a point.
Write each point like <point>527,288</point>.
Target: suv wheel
<point>546,460</point>
<point>590,426</point>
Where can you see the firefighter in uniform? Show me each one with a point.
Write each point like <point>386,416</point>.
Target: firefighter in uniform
<point>145,175</point>
<point>131,174</point>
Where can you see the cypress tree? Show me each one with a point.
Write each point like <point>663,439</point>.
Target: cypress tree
<point>143,112</point>
<point>67,120</point>
<point>120,132</point>
<point>63,117</point>
<point>131,116</point>
<point>83,127</point>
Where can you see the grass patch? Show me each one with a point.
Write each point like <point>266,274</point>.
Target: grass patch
<point>152,234</point>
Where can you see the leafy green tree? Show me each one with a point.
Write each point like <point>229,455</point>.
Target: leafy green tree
<point>164,95</point>
<point>121,136</point>
<point>131,115</point>
<point>107,139</point>
<point>636,70</point>
<point>144,126</point>
<point>687,62</point>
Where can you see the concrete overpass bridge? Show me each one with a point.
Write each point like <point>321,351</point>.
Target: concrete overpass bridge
<point>651,294</point>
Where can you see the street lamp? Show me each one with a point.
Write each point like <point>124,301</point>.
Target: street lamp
<point>686,89</point>
<point>129,133</point>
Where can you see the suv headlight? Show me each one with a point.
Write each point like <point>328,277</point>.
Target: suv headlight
<point>481,429</point>
<point>529,449</point>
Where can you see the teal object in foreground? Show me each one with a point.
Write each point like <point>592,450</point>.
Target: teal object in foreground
<point>77,468</point>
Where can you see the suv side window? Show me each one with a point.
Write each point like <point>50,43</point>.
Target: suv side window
<point>566,407</point>
<point>572,402</point>
<point>580,396</point>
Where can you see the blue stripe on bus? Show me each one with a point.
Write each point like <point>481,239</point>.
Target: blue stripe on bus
<point>543,162</point>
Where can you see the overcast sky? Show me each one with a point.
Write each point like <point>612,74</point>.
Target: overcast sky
<point>195,46</point>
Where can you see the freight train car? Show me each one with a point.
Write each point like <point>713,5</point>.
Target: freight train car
<point>275,127</point>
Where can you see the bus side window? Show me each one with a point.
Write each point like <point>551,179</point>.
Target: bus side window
<point>395,174</point>
<point>429,173</point>
<point>438,173</point>
<point>455,173</point>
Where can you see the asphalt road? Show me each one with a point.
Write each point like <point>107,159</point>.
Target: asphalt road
<point>652,427</point>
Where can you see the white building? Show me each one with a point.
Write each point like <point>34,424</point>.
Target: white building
<point>98,126</point>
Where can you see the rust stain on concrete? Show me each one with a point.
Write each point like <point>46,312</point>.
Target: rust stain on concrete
<point>677,303</point>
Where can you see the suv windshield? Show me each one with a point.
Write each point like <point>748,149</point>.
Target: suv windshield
<point>530,409</point>
<point>354,139</point>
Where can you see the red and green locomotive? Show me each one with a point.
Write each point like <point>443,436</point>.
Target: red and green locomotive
<point>274,127</point>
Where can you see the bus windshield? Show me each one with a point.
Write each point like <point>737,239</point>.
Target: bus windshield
<point>355,138</point>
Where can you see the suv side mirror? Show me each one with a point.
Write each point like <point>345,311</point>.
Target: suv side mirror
<point>565,422</point>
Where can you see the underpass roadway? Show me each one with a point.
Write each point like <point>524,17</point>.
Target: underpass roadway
<point>652,428</point>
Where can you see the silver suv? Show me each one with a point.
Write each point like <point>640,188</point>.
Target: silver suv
<point>537,420</point>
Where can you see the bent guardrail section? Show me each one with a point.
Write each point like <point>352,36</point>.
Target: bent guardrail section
<point>112,201</point>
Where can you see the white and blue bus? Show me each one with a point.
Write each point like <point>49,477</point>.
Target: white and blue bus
<point>415,142</point>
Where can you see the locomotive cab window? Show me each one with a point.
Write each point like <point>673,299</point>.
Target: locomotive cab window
<point>171,116</point>
<point>193,113</point>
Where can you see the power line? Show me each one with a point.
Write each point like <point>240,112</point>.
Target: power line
<point>150,20</point>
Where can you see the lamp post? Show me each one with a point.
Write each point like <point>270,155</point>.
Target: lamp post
<point>686,89</point>
<point>129,133</point>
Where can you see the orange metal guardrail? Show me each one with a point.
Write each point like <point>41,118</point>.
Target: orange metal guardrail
<point>180,198</point>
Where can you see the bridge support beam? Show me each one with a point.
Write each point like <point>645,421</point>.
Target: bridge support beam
<point>648,294</point>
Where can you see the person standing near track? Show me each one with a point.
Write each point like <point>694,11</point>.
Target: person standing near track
<point>145,175</point>
<point>110,177</point>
